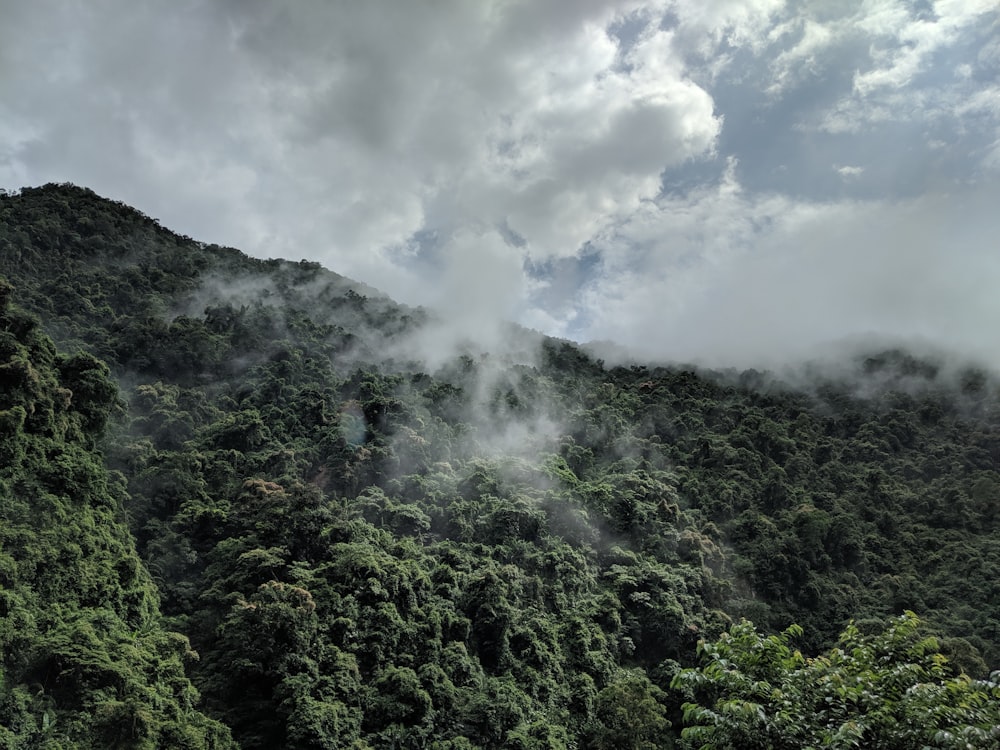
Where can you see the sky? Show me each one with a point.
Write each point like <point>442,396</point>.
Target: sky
<point>733,182</point>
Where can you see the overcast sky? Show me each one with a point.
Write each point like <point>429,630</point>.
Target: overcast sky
<point>737,181</point>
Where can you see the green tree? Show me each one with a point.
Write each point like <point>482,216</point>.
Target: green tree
<point>890,690</point>
<point>630,715</point>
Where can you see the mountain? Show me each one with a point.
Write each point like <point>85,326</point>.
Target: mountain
<point>375,533</point>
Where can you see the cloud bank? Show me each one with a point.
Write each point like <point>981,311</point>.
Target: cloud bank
<point>733,182</point>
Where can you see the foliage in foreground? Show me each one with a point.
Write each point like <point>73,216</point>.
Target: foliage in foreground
<point>890,690</point>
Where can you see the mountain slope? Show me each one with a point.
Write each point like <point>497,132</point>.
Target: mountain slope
<point>490,551</point>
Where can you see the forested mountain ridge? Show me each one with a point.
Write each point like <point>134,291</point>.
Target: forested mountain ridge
<point>517,550</point>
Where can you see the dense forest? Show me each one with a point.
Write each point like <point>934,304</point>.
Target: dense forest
<point>239,508</point>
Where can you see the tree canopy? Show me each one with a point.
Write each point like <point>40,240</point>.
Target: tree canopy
<point>887,690</point>
<point>248,460</point>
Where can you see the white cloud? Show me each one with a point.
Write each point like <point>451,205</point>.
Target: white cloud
<point>848,171</point>
<point>903,43</point>
<point>339,129</point>
<point>734,22</point>
<point>792,65</point>
<point>521,132</point>
<point>756,281</point>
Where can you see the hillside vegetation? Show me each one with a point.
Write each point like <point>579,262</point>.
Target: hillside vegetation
<point>520,548</point>
<point>86,661</point>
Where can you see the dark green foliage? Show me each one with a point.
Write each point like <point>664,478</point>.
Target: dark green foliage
<point>85,660</point>
<point>509,551</point>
